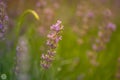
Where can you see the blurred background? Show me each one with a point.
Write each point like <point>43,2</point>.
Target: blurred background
<point>89,49</point>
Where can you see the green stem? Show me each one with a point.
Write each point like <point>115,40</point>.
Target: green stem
<point>21,19</point>
<point>17,29</point>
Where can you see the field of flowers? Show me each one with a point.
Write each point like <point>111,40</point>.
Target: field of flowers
<point>59,40</point>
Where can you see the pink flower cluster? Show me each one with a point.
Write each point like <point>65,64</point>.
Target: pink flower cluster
<point>53,38</point>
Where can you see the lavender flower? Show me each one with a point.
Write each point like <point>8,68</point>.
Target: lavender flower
<point>103,36</point>
<point>3,20</point>
<point>53,38</point>
<point>105,31</point>
<point>111,26</point>
<point>1,26</point>
<point>90,14</point>
<point>107,13</point>
<point>22,59</point>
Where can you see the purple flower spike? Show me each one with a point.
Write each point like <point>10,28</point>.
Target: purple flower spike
<point>53,38</point>
<point>3,19</point>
